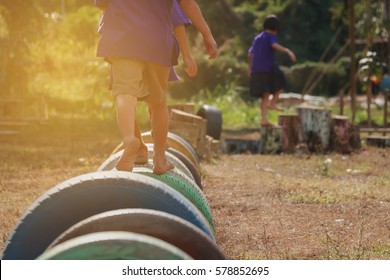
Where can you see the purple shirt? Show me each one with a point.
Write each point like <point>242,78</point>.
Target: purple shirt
<point>178,15</point>
<point>263,55</point>
<point>138,29</point>
<point>178,18</point>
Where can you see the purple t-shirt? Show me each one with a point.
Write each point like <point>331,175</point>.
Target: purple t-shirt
<point>178,15</point>
<point>178,18</point>
<point>263,55</point>
<point>138,29</point>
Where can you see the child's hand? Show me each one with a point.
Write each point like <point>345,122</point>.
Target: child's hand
<point>211,46</point>
<point>291,55</point>
<point>192,67</point>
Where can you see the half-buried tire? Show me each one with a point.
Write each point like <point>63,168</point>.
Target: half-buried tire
<point>89,194</point>
<point>114,245</point>
<point>187,162</point>
<point>191,191</point>
<point>167,227</point>
<point>110,163</point>
<point>174,141</point>
<point>177,142</point>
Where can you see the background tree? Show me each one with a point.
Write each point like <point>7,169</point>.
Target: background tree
<point>47,47</point>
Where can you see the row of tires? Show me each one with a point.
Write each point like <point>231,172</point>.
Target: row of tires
<point>111,214</point>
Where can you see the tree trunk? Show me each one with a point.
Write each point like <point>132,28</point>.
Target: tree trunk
<point>271,139</point>
<point>339,141</point>
<point>385,108</point>
<point>315,128</point>
<point>352,49</point>
<point>291,132</point>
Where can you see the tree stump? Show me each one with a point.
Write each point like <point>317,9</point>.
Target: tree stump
<point>271,139</point>
<point>315,128</point>
<point>354,137</point>
<point>340,134</point>
<point>291,132</point>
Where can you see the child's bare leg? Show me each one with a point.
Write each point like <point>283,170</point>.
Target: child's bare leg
<point>272,105</point>
<point>126,105</point>
<point>142,154</point>
<point>263,108</point>
<point>160,124</point>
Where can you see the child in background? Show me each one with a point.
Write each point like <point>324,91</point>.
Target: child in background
<point>265,76</point>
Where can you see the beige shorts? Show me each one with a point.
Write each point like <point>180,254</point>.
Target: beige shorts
<point>145,80</point>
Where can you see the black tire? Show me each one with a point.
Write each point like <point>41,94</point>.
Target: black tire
<point>110,163</point>
<point>191,167</point>
<point>214,120</point>
<point>169,228</point>
<point>174,141</point>
<point>180,139</point>
<point>177,142</point>
<point>114,245</point>
<point>90,194</point>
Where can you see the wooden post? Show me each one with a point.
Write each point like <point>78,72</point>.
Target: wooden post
<point>385,109</point>
<point>291,132</point>
<point>352,50</point>
<point>187,107</point>
<point>191,127</point>
<point>315,128</point>
<point>341,98</point>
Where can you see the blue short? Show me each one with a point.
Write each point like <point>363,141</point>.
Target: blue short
<point>267,82</point>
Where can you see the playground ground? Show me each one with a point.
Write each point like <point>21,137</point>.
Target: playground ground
<point>264,206</point>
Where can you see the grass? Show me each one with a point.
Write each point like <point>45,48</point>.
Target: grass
<point>237,112</point>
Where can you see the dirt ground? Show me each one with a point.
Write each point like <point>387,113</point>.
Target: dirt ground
<point>264,206</point>
<point>285,207</point>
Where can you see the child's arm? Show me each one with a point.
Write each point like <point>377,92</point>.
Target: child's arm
<point>181,37</point>
<point>193,11</point>
<point>102,4</point>
<point>282,49</point>
<point>249,63</point>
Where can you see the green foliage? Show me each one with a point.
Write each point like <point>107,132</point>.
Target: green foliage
<point>334,78</point>
<point>361,115</point>
<point>65,67</point>
<point>47,47</point>
<point>212,74</point>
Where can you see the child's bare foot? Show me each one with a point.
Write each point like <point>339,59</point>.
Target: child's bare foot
<point>126,162</point>
<point>162,167</point>
<point>275,107</point>
<point>142,155</point>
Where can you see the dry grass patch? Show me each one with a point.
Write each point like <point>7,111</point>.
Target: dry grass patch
<point>284,207</point>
